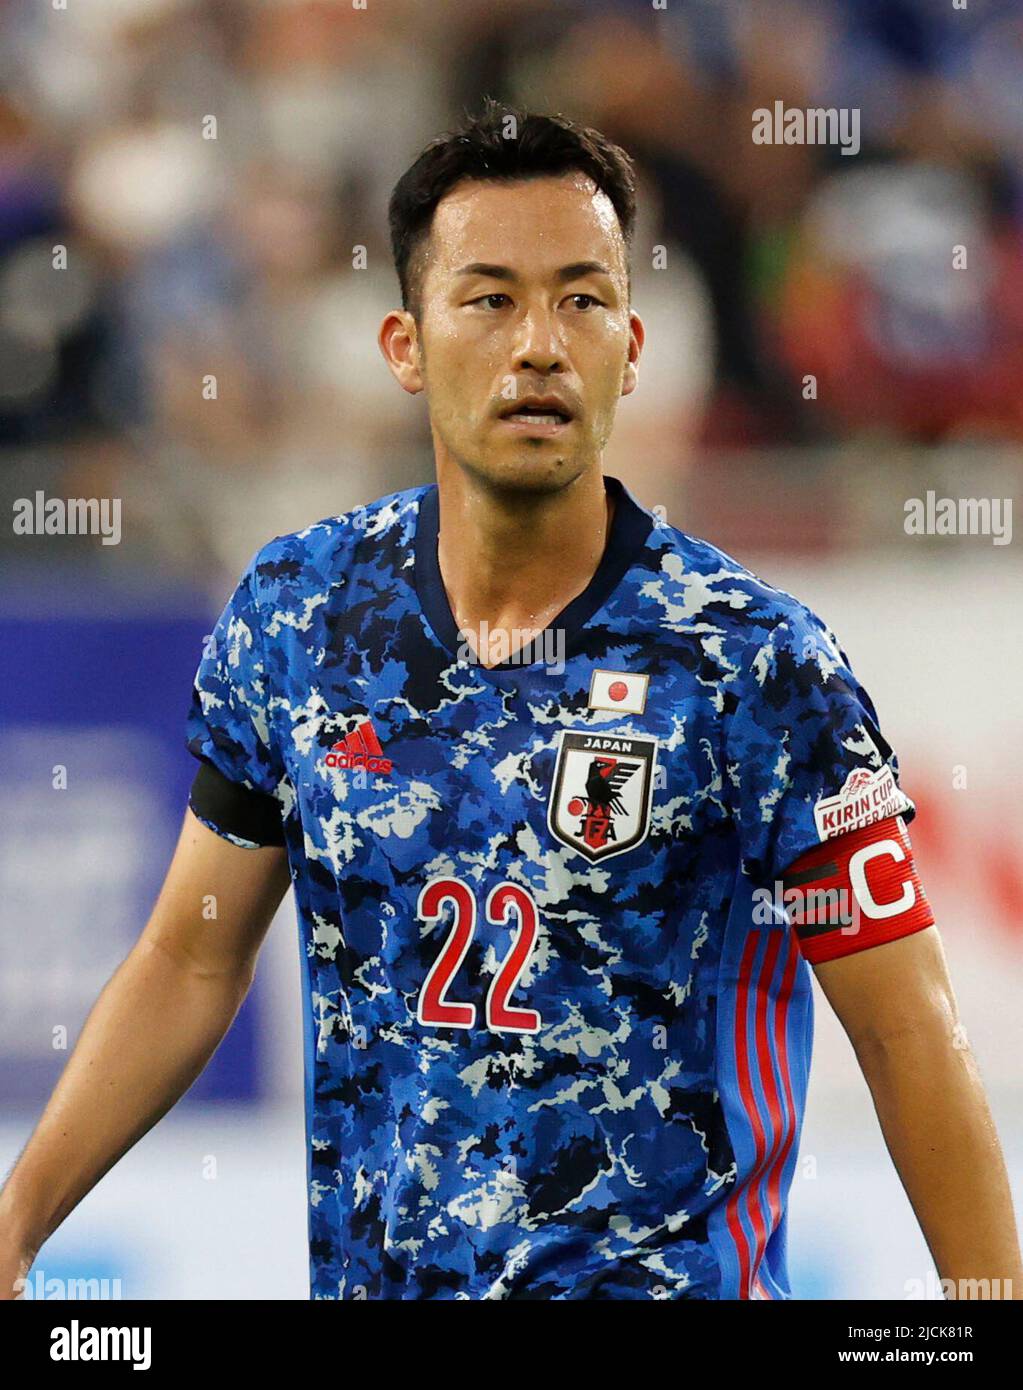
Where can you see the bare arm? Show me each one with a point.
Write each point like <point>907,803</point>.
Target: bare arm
<point>897,1006</point>
<point>153,1029</point>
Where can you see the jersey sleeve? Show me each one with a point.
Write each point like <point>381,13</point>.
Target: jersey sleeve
<point>806,759</point>
<point>229,728</point>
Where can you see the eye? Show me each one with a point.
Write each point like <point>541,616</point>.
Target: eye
<point>592,298</point>
<point>485,299</point>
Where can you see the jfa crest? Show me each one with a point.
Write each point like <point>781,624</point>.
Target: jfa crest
<point>603,786</point>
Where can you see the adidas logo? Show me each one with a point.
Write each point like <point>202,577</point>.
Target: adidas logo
<point>360,748</point>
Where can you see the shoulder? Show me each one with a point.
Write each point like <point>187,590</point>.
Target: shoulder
<point>325,553</point>
<point>701,587</point>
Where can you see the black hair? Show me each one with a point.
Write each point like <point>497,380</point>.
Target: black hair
<point>482,148</point>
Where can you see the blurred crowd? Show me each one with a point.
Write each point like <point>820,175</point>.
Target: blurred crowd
<point>209,168</point>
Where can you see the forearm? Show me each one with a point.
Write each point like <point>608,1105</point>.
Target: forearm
<point>150,1034</point>
<point>938,1128</point>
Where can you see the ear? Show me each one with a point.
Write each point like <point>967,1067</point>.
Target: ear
<point>637,336</point>
<point>398,340</point>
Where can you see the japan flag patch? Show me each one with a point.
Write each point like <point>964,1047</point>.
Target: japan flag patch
<point>619,691</point>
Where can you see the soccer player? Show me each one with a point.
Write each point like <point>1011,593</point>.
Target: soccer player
<point>571,803</point>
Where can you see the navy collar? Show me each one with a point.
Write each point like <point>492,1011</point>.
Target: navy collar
<point>630,527</point>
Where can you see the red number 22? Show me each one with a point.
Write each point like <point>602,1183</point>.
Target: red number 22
<point>434,1009</point>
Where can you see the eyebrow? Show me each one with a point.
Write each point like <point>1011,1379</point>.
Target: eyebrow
<point>575,271</point>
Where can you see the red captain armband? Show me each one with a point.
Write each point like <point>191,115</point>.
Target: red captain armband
<point>855,891</point>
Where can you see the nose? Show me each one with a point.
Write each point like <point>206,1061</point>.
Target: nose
<point>537,344</point>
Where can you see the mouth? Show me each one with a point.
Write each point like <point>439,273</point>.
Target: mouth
<point>537,418</point>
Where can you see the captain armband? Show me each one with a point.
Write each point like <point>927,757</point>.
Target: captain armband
<point>854,891</point>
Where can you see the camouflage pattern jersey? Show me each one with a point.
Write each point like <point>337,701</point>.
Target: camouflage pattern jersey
<point>552,1049</point>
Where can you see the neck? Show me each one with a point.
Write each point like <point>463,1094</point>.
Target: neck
<point>511,562</point>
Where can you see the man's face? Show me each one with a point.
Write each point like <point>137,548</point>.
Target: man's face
<point>524,293</point>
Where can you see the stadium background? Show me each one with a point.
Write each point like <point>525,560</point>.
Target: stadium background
<point>233,256</point>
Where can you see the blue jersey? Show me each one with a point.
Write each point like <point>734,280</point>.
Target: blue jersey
<point>554,1049</point>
